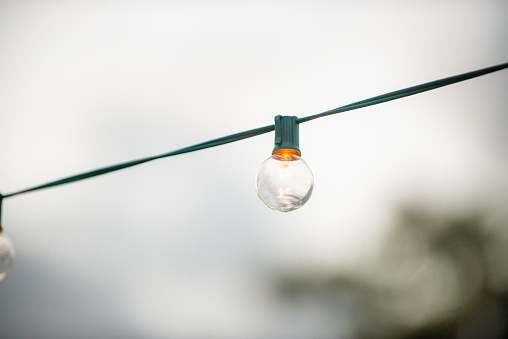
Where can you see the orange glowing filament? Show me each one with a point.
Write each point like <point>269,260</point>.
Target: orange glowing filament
<point>286,155</point>
<point>284,169</point>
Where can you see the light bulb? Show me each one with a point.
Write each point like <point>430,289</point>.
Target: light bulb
<point>284,182</point>
<point>6,255</point>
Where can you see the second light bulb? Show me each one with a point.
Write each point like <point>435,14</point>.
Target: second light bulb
<point>6,255</point>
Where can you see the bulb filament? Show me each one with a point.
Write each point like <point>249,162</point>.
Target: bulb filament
<point>284,172</point>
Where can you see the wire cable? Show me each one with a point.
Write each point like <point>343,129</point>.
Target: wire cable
<point>407,92</point>
<point>258,131</point>
<point>104,170</point>
<point>1,199</point>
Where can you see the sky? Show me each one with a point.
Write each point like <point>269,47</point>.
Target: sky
<point>183,247</point>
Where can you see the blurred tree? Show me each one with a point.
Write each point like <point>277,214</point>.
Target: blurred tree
<point>437,275</point>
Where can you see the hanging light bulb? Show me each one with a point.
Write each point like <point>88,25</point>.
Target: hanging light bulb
<point>285,182</point>
<point>6,255</point>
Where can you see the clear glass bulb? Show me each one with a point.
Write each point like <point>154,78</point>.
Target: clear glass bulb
<point>284,182</point>
<point>6,255</point>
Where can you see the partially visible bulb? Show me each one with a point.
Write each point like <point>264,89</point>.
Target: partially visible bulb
<point>284,182</point>
<point>7,255</point>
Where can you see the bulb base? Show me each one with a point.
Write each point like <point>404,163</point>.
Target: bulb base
<point>286,134</point>
<point>286,152</point>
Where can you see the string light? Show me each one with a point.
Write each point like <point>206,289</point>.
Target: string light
<point>284,181</point>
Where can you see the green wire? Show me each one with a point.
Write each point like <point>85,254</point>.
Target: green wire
<point>258,131</point>
<point>407,92</point>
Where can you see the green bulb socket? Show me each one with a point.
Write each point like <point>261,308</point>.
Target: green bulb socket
<point>286,133</point>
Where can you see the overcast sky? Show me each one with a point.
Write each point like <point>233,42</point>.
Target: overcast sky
<point>183,246</point>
